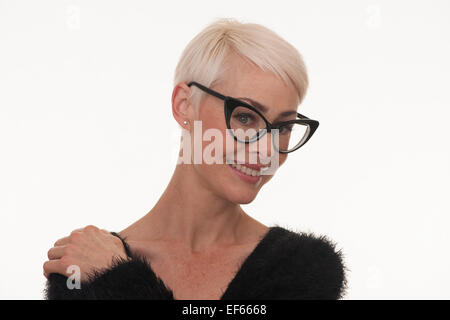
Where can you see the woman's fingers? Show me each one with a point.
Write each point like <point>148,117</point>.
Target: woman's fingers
<point>65,240</point>
<point>86,248</point>
<point>54,266</point>
<point>61,242</point>
<point>56,252</point>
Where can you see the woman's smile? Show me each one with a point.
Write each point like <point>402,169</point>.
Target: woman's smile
<point>245,173</point>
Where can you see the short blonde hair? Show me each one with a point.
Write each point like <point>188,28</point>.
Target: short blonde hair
<point>205,58</point>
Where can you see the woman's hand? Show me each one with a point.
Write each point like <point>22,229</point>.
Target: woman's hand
<point>88,248</point>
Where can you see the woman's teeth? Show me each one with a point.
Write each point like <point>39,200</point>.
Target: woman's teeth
<point>246,170</point>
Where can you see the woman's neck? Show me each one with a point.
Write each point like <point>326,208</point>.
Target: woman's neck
<point>190,213</point>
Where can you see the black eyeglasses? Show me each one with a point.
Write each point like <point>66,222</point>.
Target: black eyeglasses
<point>247,124</point>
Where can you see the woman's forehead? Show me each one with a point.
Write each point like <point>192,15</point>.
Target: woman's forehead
<point>263,93</point>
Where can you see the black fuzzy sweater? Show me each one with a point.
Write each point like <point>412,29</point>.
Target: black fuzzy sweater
<point>284,265</point>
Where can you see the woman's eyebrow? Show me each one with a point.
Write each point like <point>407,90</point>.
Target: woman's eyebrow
<point>256,104</point>
<point>264,109</point>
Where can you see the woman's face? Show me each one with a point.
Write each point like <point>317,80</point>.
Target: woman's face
<point>246,81</point>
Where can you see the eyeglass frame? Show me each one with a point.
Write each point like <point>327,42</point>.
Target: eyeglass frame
<point>230,103</point>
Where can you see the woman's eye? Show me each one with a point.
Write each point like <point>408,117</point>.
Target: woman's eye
<point>285,130</point>
<point>244,118</point>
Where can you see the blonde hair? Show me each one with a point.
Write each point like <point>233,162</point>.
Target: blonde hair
<point>205,58</point>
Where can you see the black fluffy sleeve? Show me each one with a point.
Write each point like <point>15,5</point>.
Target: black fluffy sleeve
<point>291,265</point>
<point>124,279</point>
<point>313,268</point>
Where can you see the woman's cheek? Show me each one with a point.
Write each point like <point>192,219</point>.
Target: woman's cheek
<point>283,158</point>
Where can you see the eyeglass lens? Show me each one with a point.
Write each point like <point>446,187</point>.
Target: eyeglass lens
<point>246,124</point>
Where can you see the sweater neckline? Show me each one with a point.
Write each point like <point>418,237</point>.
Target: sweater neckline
<point>247,261</point>
<point>257,251</point>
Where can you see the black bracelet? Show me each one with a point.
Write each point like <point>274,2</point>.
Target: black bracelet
<point>125,245</point>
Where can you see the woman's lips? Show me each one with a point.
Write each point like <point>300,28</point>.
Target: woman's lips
<point>245,177</point>
<point>256,167</point>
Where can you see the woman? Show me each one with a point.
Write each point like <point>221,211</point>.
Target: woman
<point>197,242</point>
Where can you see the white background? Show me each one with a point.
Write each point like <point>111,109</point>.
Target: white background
<point>87,135</point>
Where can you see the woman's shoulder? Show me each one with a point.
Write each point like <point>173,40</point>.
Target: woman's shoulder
<point>302,265</point>
<point>289,240</point>
<point>305,244</point>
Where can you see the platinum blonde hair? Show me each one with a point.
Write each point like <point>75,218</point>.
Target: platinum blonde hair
<point>206,57</point>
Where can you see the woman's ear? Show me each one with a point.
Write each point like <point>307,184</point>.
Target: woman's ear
<point>182,110</point>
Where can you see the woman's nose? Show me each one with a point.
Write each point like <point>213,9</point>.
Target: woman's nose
<point>266,148</point>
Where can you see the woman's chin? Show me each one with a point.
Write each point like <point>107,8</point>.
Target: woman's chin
<point>242,197</point>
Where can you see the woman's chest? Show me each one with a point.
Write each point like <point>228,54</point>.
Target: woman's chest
<point>203,277</point>
<point>193,279</point>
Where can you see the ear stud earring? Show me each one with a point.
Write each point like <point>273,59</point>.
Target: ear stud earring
<point>185,122</point>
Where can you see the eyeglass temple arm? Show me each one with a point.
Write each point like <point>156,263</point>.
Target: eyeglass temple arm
<point>212,92</point>
<point>221,96</point>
